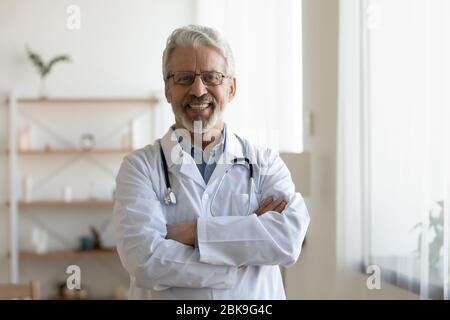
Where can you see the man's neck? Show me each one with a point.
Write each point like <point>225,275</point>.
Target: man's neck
<point>206,138</point>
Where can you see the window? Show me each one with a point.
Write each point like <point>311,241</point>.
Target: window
<point>404,139</point>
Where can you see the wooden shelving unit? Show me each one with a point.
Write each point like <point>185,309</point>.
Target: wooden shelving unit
<point>71,152</point>
<point>62,254</point>
<point>66,150</point>
<point>59,203</point>
<point>149,101</point>
<point>79,299</point>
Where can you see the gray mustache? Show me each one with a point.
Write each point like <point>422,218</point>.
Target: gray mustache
<point>207,98</point>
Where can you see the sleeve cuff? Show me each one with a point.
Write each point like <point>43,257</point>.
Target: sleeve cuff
<point>196,237</point>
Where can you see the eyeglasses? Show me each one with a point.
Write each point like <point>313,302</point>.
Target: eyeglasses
<point>209,78</point>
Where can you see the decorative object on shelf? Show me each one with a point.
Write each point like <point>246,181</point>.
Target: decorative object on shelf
<point>67,193</point>
<point>28,188</point>
<point>134,133</point>
<point>45,68</point>
<point>87,141</point>
<point>91,190</point>
<point>71,294</point>
<point>121,293</point>
<point>126,139</point>
<point>92,242</point>
<point>85,243</point>
<point>96,240</point>
<point>25,139</point>
<point>39,240</point>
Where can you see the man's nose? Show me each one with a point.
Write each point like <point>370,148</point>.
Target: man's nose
<point>198,89</point>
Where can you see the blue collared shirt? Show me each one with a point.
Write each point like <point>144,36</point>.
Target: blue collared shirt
<point>206,162</point>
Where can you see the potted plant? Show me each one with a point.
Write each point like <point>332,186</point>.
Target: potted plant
<point>436,225</point>
<point>45,68</point>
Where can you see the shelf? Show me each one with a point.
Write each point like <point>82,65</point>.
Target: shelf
<point>79,299</point>
<point>149,101</point>
<point>67,254</point>
<point>60,203</point>
<point>72,151</point>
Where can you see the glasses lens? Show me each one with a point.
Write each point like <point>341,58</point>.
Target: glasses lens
<point>212,78</point>
<point>184,77</point>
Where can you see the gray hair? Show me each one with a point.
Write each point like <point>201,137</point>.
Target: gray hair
<point>195,36</point>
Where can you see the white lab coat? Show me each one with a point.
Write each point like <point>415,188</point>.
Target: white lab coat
<point>238,255</point>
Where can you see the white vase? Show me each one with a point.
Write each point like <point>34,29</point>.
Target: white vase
<point>43,88</point>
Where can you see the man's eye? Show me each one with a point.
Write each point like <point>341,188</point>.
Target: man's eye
<point>210,77</point>
<point>184,78</point>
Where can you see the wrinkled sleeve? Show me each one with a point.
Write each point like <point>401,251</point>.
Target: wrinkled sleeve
<point>155,262</point>
<point>270,239</point>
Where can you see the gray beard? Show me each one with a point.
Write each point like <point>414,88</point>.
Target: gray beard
<point>199,125</point>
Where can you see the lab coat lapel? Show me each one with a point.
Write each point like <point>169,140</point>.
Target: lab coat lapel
<point>178,160</point>
<point>233,149</point>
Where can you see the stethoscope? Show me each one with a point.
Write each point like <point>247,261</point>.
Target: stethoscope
<point>171,199</point>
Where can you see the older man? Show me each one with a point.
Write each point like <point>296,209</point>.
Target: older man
<point>202,213</point>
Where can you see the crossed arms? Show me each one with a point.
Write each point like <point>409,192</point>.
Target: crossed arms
<point>186,233</point>
<point>160,256</point>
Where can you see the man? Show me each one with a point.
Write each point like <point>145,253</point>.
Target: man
<point>202,213</point>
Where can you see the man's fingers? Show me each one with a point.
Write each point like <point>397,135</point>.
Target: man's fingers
<point>280,207</point>
<point>260,210</point>
<point>273,204</point>
<point>266,202</point>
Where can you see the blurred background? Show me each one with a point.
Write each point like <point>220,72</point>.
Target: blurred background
<point>354,94</point>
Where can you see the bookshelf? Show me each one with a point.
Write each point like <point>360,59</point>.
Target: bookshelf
<point>63,254</point>
<point>60,203</point>
<point>37,155</point>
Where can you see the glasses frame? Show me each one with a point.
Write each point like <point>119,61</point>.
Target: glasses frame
<point>172,75</point>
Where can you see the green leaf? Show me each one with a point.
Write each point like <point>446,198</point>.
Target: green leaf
<point>37,61</point>
<point>60,58</point>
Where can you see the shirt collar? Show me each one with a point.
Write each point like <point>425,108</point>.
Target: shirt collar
<point>174,152</point>
<point>215,150</point>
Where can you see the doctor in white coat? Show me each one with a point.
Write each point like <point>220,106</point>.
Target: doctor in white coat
<point>202,213</point>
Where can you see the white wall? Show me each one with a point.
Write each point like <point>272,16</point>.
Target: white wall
<point>117,52</point>
<point>314,275</point>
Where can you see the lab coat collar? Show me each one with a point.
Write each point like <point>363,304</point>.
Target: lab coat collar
<point>177,157</point>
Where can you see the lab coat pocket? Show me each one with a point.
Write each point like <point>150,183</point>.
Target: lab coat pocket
<point>240,202</point>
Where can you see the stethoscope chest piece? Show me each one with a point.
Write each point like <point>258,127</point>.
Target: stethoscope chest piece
<point>169,197</point>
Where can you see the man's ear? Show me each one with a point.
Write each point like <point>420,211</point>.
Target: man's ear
<point>167,92</point>
<point>232,89</point>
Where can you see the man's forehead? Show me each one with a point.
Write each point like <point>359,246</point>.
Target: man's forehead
<point>203,56</point>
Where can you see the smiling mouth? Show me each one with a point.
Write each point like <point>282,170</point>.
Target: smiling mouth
<point>199,107</point>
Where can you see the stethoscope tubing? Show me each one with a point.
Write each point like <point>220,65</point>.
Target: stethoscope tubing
<point>170,198</point>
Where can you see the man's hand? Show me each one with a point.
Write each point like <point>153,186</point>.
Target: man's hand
<point>271,204</point>
<point>183,232</point>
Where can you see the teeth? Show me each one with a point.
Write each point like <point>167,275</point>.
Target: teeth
<point>199,106</point>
